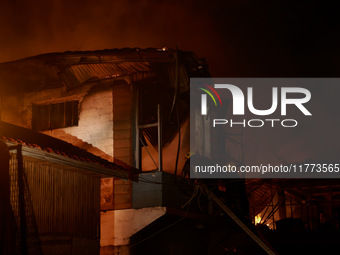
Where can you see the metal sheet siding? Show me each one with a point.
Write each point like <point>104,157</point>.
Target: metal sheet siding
<point>76,75</point>
<point>61,203</point>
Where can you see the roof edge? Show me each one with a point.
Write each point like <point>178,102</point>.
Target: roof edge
<point>59,159</point>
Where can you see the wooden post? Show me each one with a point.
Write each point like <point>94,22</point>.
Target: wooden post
<point>137,143</point>
<point>160,143</point>
<point>22,205</point>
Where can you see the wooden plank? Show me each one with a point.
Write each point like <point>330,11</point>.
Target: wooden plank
<point>122,199</point>
<point>121,116</point>
<point>122,125</point>
<point>122,152</point>
<point>121,134</point>
<point>124,107</point>
<point>122,189</point>
<point>122,143</point>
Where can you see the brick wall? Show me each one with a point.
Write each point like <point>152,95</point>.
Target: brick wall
<point>95,122</point>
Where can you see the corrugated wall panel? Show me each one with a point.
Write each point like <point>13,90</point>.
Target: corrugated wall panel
<point>60,202</point>
<point>76,75</point>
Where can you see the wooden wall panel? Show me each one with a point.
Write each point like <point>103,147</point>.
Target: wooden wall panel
<point>122,142</point>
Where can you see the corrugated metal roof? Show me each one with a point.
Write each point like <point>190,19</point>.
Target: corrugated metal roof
<point>72,69</point>
<point>75,75</point>
<point>29,138</point>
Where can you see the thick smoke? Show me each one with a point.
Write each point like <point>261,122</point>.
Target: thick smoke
<point>33,27</point>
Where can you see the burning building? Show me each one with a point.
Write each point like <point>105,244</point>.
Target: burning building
<point>99,121</point>
<point>128,106</point>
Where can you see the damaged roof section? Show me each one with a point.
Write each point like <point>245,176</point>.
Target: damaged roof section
<point>76,75</point>
<point>58,150</point>
<point>74,69</point>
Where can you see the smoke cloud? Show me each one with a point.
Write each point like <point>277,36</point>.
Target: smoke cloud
<point>33,27</point>
<point>237,38</point>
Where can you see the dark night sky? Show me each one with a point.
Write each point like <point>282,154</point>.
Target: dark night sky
<point>238,38</point>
